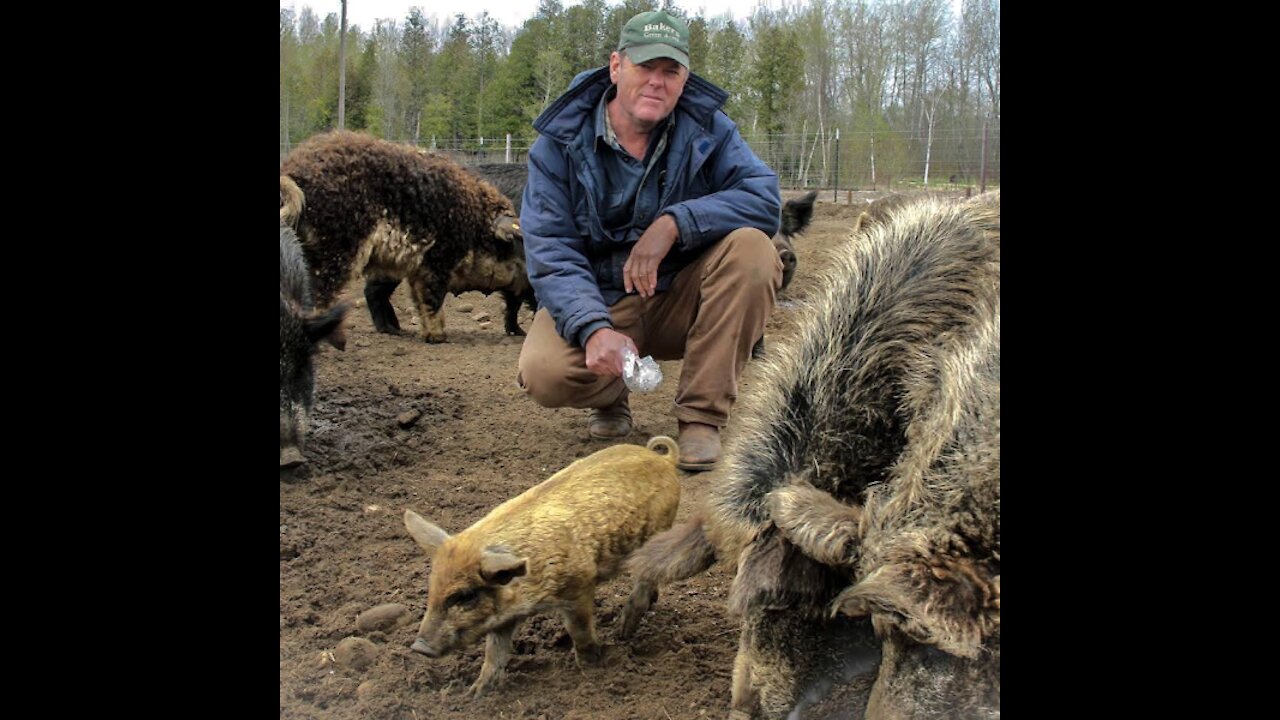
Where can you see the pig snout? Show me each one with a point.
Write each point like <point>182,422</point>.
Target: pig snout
<point>788,268</point>
<point>420,646</point>
<point>291,457</point>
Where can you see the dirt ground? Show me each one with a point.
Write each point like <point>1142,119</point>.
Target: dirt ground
<point>477,441</point>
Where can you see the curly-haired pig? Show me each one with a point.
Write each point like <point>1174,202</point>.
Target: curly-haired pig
<point>546,550</point>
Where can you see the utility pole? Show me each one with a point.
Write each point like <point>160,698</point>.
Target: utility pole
<point>342,69</point>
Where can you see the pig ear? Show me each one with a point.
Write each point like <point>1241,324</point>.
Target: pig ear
<point>951,605</point>
<point>499,566</point>
<point>428,536</point>
<point>798,213</point>
<point>822,527</point>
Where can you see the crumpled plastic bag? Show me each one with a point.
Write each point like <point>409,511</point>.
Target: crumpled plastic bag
<point>640,374</point>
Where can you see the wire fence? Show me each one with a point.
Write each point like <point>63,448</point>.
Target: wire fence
<point>843,160</point>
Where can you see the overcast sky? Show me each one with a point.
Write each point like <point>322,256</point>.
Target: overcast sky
<point>507,12</point>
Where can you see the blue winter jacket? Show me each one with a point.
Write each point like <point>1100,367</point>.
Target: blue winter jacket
<point>713,184</point>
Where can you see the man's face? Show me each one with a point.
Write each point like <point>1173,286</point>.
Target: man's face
<point>647,92</point>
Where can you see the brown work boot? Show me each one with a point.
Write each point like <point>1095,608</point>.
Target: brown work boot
<point>611,422</point>
<point>699,446</point>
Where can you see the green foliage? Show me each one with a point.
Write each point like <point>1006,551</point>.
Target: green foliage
<point>699,42</point>
<point>725,65</point>
<point>881,71</point>
<point>416,53</point>
<point>776,75</point>
<point>360,89</point>
<point>585,35</point>
<point>437,118</point>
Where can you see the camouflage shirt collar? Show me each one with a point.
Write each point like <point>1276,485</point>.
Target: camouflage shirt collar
<point>604,126</point>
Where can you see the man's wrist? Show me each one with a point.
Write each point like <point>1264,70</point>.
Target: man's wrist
<point>675,227</point>
<point>585,334</point>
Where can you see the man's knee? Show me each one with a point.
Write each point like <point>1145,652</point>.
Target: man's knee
<point>554,381</point>
<point>540,381</point>
<point>751,257</point>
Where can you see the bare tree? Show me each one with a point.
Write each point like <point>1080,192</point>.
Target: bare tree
<point>980,22</point>
<point>551,74</point>
<point>930,109</point>
<point>391,88</point>
<point>817,101</point>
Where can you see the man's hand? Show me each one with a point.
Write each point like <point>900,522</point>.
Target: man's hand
<point>640,273</point>
<point>604,352</point>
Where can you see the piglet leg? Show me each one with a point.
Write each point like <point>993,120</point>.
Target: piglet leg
<point>580,618</point>
<point>497,651</point>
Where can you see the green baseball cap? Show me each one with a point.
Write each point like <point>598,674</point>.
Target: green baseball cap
<point>655,34</point>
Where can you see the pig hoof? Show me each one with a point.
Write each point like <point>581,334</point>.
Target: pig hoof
<point>517,332</point>
<point>290,458</point>
<point>630,621</point>
<point>433,339</point>
<point>482,686</point>
<point>589,655</point>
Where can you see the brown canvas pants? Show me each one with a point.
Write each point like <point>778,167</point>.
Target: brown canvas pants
<point>714,311</point>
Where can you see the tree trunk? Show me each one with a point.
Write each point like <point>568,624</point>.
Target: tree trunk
<point>928,146</point>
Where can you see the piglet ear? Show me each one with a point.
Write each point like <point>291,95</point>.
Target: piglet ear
<point>429,537</point>
<point>499,566</point>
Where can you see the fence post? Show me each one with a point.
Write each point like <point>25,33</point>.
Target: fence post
<point>982,177</point>
<point>508,147</point>
<point>873,161</point>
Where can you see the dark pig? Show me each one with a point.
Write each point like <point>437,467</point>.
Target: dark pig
<point>860,498</point>
<point>796,216</point>
<point>361,204</point>
<point>475,273</point>
<point>301,329</point>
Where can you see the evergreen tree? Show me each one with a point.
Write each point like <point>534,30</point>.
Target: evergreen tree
<point>417,45</point>
<point>360,89</point>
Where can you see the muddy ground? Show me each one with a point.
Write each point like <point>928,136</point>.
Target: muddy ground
<point>475,442</point>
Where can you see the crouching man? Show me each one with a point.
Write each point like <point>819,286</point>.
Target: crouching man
<point>647,223</point>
